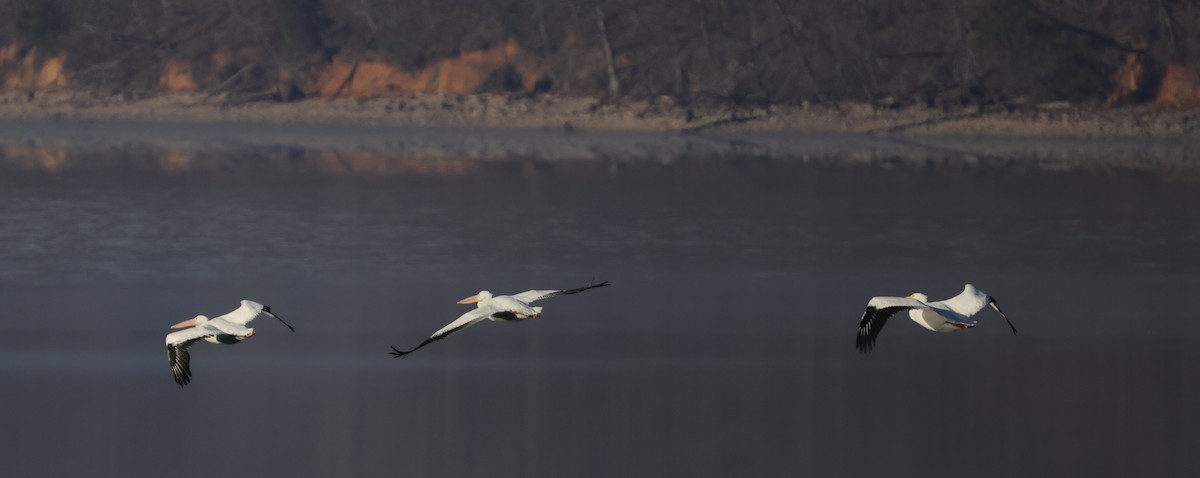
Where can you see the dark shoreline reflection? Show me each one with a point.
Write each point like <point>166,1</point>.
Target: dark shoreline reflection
<point>217,148</point>
<point>740,268</point>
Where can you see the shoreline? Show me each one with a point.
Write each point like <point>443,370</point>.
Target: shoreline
<point>547,112</point>
<point>59,146</point>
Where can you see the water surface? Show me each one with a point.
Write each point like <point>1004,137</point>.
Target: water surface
<point>740,267</point>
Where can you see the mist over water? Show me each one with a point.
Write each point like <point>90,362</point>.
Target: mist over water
<point>723,348</point>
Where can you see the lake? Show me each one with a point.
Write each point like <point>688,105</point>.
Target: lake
<point>740,266</point>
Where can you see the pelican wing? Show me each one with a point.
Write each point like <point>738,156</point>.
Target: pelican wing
<point>970,302</point>
<point>228,328</point>
<point>879,309</point>
<point>992,302</point>
<point>177,350</point>
<point>241,315</point>
<point>181,361</point>
<point>531,296</point>
<point>466,320</point>
<point>191,333</point>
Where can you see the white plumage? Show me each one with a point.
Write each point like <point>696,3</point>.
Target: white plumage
<point>227,329</point>
<point>942,316</point>
<point>505,308</point>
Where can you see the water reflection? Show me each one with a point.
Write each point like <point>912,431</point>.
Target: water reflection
<point>46,158</point>
<point>364,150</point>
<point>84,159</point>
<point>740,268</point>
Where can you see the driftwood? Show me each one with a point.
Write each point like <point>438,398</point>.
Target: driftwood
<point>928,122</point>
<point>269,94</point>
<point>232,79</point>
<point>733,118</point>
<point>345,81</point>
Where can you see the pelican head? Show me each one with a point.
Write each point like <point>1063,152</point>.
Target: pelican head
<point>919,296</point>
<point>481,297</point>
<point>197,320</point>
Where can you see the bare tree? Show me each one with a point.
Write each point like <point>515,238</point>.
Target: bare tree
<point>614,86</point>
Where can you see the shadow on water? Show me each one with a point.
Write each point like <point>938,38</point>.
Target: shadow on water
<point>740,268</point>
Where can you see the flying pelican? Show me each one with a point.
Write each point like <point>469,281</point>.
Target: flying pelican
<point>227,329</point>
<point>507,308</point>
<point>941,316</point>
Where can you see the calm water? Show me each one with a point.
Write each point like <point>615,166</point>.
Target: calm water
<point>724,348</point>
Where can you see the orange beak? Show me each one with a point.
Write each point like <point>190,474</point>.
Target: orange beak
<point>185,324</point>
<point>470,300</point>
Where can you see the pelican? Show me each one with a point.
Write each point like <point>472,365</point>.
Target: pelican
<point>227,329</point>
<point>941,316</point>
<point>506,308</point>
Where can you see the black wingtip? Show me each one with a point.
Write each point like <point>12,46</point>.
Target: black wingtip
<point>183,379</point>
<point>871,324</point>
<point>289,326</point>
<point>397,353</point>
<point>863,344</point>
<point>181,372</point>
<point>992,302</point>
<point>593,285</point>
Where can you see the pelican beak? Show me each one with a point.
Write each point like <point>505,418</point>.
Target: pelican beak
<point>267,310</point>
<point>470,300</point>
<point>185,324</point>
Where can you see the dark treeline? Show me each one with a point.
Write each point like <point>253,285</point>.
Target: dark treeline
<point>753,52</point>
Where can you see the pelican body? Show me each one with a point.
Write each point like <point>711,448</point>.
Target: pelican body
<point>497,308</point>
<point>227,329</point>
<point>941,316</point>
<point>507,307</point>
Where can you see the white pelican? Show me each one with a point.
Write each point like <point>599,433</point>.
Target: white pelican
<point>941,316</point>
<point>507,308</point>
<point>227,329</point>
